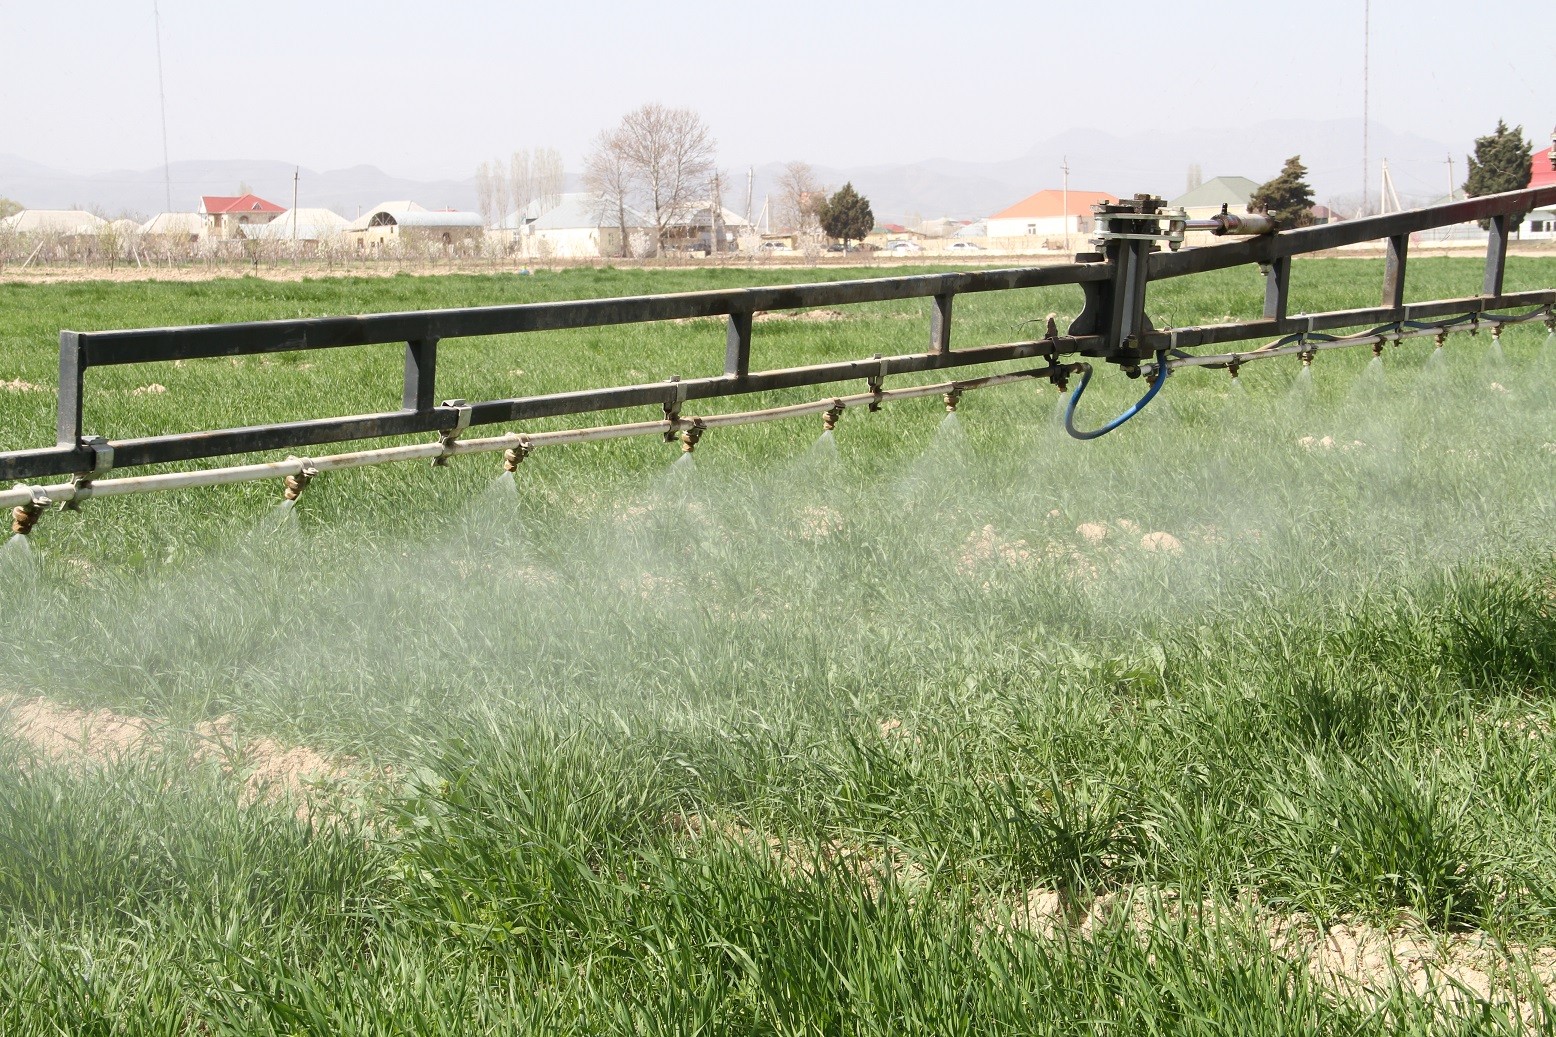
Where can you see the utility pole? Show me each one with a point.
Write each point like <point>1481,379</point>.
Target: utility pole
<point>1066,202</point>
<point>1451,187</point>
<point>295,171</point>
<point>1386,191</point>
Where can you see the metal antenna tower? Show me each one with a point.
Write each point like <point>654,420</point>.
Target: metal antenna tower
<point>1366,83</point>
<point>167,169</point>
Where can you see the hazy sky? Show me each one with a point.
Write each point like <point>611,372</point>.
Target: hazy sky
<point>429,90</point>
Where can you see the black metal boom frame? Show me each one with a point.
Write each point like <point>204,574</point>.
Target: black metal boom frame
<point>1113,325</point>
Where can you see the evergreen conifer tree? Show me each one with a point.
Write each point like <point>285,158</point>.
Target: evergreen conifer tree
<point>1287,198</point>
<point>1501,163</point>
<point>846,215</point>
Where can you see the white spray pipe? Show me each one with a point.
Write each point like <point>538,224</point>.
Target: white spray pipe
<point>295,467</point>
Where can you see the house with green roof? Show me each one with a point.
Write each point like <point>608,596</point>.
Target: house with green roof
<point>1208,198</point>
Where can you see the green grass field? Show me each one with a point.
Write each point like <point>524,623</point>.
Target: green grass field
<point>948,726</point>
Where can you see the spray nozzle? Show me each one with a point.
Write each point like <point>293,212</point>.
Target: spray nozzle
<point>25,516</point>
<point>952,398</point>
<point>296,484</point>
<point>1441,338</point>
<point>1233,366</point>
<point>1377,349</point>
<point>1307,357</point>
<point>830,418</point>
<point>691,435</point>
<point>515,455</point>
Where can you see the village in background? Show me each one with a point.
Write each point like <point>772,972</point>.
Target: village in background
<point>525,217</point>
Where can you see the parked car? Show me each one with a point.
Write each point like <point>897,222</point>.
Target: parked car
<point>963,246</point>
<point>904,245</point>
<point>774,246</point>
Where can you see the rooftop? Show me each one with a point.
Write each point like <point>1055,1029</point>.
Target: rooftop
<point>1054,203</point>
<point>1221,190</point>
<point>219,203</point>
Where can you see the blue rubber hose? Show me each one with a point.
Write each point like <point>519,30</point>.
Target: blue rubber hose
<point>1156,383</point>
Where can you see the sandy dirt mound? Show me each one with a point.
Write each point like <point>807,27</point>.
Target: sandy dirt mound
<point>1349,957</point>
<point>64,734</point>
<point>269,769</point>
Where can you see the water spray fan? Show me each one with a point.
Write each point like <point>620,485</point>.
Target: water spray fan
<point>1137,242</point>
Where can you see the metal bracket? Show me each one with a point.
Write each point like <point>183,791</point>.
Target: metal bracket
<point>877,382</point>
<point>102,464</point>
<point>448,436</point>
<point>673,406</point>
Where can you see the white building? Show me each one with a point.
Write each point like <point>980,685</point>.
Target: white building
<point>580,225</point>
<point>63,223</point>
<point>300,225</point>
<point>1045,219</point>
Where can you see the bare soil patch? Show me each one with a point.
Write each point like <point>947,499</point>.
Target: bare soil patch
<point>1348,956</point>
<point>268,769</point>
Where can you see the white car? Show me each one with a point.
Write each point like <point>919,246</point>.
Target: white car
<point>774,246</point>
<point>904,245</point>
<point>963,246</point>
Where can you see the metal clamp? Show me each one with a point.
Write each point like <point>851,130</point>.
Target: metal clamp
<point>102,464</point>
<point>877,382</point>
<point>673,407</point>
<point>448,436</point>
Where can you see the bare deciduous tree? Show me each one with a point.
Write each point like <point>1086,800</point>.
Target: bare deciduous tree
<point>485,200</point>
<point>535,176</point>
<point>503,188</point>
<point>800,197</point>
<point>669,154</point>
<point>608,176</point>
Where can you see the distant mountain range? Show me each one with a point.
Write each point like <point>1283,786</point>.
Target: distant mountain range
<point>1156,161</point>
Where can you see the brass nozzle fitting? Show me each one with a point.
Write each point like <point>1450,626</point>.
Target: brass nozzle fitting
<point>1377,348</point>
<point>1307,357</point>
<point>25,516</point>
<point>951,399</point>
<point>691,435</point>
<point>829,420</point>
<point>514,456</point>
<point>296,484</point>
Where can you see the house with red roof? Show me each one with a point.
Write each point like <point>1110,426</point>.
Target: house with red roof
<point>226,216</point>
<point>1047,217</point>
